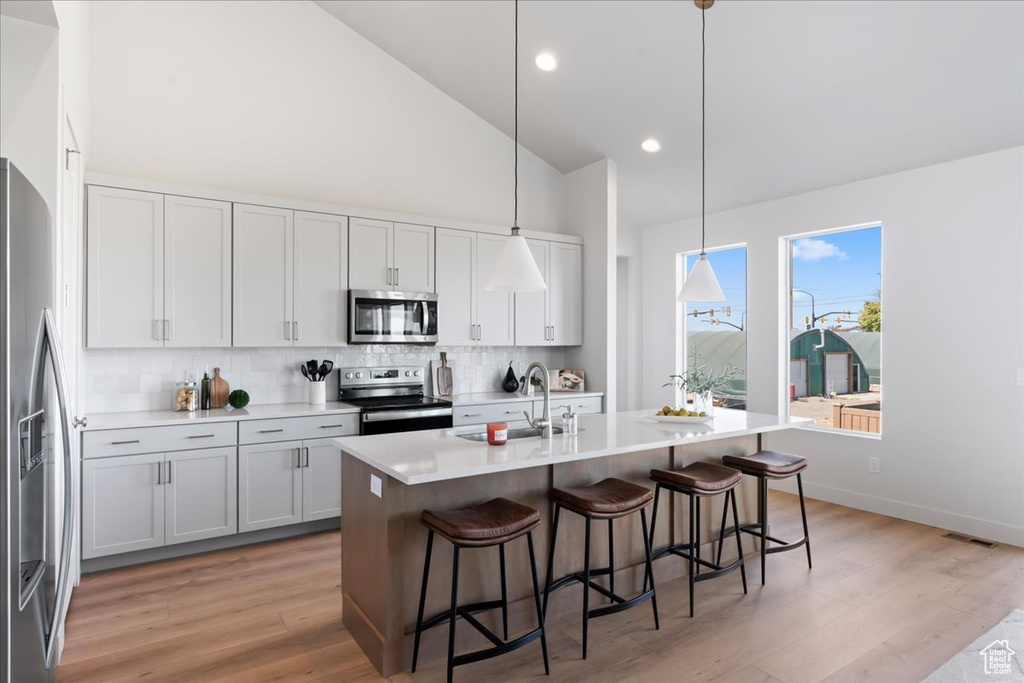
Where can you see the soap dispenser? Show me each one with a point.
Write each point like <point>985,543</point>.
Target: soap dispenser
<point>570,421</point>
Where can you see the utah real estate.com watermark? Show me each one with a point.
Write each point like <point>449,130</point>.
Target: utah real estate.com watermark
<point>997,657</point>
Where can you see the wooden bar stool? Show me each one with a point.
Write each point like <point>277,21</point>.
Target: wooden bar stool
<point>608,499</point>
<point>495,522</point>
<point>696,481</point>
<point>767,465</point>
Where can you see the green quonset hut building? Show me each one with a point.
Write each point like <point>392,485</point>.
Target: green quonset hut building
<point>836,366</point>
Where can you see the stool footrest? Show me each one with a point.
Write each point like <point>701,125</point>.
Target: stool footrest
<point>498,650</point>
<point>463,610</point>
<point>754,529</point>
<point>716,569</point>
<point>621,603</point>
<point>620,606</point>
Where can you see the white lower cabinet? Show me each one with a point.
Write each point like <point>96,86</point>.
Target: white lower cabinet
<point>135,502</point>
<point>201,495</point>
<point>269,485</point>
<point>287,483</point>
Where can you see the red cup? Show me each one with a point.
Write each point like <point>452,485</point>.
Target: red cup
<point>497,433</point>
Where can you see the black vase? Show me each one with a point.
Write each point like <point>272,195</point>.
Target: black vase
<point>510,383</point>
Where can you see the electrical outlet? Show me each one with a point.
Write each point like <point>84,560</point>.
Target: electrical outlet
<point>874,466</point>
<point>376,487</point>
<point>1020,377</point>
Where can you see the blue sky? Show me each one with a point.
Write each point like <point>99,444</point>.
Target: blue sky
<point>841,270</point>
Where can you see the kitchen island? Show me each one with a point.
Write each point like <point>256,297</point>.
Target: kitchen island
<point>389,479</point>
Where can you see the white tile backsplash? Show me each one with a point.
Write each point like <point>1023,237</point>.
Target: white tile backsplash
<point>122,380</point>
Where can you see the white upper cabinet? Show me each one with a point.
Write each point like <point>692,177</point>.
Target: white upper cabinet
<point>263,276</point>
<point>413,258</point>
<point>456,274</point>
<point>553,317</point>
<point>494,310</point>
<point>532,327</point>
<point>565,294</point>
<point>370,248</point>
<point>125,269</point>
<point>197,272</point>
<point>390,256</point>
<point>321,279</point>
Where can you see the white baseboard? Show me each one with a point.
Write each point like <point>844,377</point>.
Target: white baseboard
<point>972,526</point>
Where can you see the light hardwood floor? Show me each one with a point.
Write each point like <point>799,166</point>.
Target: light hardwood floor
<point>887,600</point>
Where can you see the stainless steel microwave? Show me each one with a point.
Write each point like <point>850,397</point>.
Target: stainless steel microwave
<point>386,317</point>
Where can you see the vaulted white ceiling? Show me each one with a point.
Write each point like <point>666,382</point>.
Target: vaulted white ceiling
<point>801,95</point>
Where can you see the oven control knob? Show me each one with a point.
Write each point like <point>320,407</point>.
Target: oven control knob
<point>359,375</point>
<point>416,373</point>
<point>348,375</point>
<point>408,373</point>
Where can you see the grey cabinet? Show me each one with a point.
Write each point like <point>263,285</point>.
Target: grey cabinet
<point>321,480</point>
<point>135,502</point>
<point>270,485</point>
<point>122,504</point>
<point>201,495</point>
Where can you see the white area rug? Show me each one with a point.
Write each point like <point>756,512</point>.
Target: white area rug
<point>995,657</point>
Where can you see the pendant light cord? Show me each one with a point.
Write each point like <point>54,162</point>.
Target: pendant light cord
<point>515,197</point>
<point>703,118</point>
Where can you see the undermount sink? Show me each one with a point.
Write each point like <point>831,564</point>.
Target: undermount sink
<point>518,433</point>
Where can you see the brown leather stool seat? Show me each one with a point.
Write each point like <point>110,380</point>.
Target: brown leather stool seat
<point>765,465</point>
<point>769,464</point>
<point>607,499</point>
<point>703,478</point>
<point>497,521</point>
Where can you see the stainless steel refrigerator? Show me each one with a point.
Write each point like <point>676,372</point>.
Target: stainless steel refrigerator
<point>38,492</point>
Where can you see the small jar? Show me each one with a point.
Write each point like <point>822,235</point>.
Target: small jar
<point>570,422</point>
<point>497,433</point>
<point>186,397</point>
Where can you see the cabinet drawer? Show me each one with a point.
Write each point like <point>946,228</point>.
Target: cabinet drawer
<point>584,406</point>
<point>507,411</point>
<point>108,442</point>
<point>298,428</point>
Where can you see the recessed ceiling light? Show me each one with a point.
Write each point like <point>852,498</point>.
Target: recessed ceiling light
<point>546,61</point>
<point>650,145</point>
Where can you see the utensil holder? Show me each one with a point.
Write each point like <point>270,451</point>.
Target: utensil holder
<point>317,393</point>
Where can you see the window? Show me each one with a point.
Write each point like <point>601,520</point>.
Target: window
<point>835,328</point>
<point>716,332</point>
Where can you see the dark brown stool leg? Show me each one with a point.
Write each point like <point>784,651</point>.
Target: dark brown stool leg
<point>721,532</point>
<point>803,516</point>
<point>611,557</point>
<point>504,592</point>
<point>453,613</point>
<point>649,568</point>
<point>536,600</point>
<point>762,521</point>
<point>654,520</point>
<point>693,534</point>
<point>423,600</point>
<point>739,541</point>
<point>586,587</point>
<point>551,560</point>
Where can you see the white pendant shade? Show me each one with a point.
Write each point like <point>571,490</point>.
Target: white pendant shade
<point>516,270</point>
<point>701,284</point>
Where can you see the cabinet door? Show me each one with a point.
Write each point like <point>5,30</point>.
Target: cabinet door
<point>414,258</point>
<point>532,307</point>
<point>122,504</point>
<point>125,269</point>
<point>197,272</point>
<point>321,279</point>
<point>321,480</point>
<point>262,276</point>
<point>455,278</point>
<point>495,312</point>
<point>201,495</point>
<point>269,485</point>
<point>565,285</point>
<point>370,247</point>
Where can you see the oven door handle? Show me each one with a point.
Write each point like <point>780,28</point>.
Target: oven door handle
<point>390,415</point>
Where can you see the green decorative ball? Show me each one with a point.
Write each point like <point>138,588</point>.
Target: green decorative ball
<point>238,398</point>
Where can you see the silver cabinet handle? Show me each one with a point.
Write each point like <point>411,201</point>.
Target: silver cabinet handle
<point>123,443</point>
<point>159,473</point>
<point>306,452</point>
<point>331,426</point>
<point>270,431</point>
<point>288,330</point>
<point>201,436</point>
<point>167,330</point>
<point>81,421</point>
<point>387,278</point>
<point>298,458</point>
<point>170,472</point>
<point>511,412</point>
<point>156,329</point>
<point>472,414</point>
<point>396,277</point>
<point>295,330</point>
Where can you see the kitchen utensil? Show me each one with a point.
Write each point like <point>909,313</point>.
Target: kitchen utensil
<point>219,390</point>
<point>311,367</point>
<point>305,372</point>
<point>445,381</point>
<point>325,369</point>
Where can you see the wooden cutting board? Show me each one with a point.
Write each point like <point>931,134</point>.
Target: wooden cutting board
<point>219,390</point>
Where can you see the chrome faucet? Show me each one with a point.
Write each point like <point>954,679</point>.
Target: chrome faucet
<point>543,423</point>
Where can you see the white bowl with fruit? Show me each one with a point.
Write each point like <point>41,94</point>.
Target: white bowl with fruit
<point>681,415</point>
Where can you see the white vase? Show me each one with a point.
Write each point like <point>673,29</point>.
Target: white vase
<point>317,393</point>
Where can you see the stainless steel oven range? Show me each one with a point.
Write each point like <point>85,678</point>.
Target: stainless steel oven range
<point>393,400</point>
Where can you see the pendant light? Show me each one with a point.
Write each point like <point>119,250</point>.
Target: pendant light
<point>701,284</point>
<point>516,270</point>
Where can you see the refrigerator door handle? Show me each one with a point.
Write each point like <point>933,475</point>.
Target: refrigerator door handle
<point>48,345</point>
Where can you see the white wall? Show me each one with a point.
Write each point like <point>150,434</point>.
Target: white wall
<point>280,98</point>
<point>629,367</point>
<point>952,448</point>
<point>591,202</point>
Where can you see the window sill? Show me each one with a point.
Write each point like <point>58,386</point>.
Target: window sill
<point>841,432</point>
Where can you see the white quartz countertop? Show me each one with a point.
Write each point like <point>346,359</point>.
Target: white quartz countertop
<point>439,455</point>
<point>155,418</point>
<point>504,397</point>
